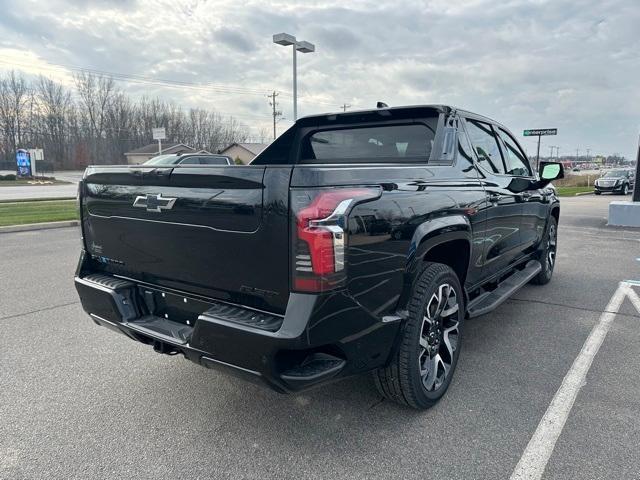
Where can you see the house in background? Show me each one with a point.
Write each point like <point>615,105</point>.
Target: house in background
<point>244,151</point>
<point>142,154</point>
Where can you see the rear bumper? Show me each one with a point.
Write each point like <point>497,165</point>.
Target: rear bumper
<point>311,344</point>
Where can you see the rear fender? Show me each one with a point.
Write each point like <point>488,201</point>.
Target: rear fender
<point>427,236</point>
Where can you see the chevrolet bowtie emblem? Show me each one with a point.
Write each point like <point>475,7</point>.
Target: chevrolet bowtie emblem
<point>154,203</point>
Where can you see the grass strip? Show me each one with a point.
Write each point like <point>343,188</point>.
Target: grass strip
<point>571,191</point>
<point>21,213</point>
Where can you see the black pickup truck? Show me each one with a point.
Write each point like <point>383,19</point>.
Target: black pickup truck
<point>356,242</point>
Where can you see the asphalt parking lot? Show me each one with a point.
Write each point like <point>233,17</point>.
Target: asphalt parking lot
<point>23,192</point>
<point>79,401</point>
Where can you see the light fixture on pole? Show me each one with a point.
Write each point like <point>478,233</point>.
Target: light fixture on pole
<point>285,40</point>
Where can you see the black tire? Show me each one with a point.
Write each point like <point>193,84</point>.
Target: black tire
<point>625,189</point>
<point>597,192</point>
<point>430,337</point>
<point>547,253</point>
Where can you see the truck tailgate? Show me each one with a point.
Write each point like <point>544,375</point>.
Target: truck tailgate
<point>201,230</point>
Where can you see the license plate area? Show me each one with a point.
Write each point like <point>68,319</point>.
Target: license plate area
<point>171,306</point>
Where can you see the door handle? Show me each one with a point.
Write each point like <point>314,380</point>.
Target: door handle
<point>494,197</point>
<point>525,195</point>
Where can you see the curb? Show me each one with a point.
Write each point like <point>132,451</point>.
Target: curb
<point>39,226</point>
<point>583,193</point>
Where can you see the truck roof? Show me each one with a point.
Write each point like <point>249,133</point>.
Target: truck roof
<point>404,111</point>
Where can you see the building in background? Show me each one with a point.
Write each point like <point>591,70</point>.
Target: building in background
<point>245,152</point>
<point>142,154</point>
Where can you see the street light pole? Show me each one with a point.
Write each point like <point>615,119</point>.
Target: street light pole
<point>286,39</point>
<point>636,188</point>
<point>295,83</point>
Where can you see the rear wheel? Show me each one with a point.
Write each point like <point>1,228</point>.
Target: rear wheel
<point>547,253</point>
<point>425,358</point>
<point>625,189</point>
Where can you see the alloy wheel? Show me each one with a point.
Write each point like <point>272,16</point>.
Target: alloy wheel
<point>439,337</point>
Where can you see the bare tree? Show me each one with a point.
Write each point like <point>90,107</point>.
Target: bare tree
<point>95,122</point>
<point>96,93</point>
<point>54,107</point>
<point>14,100</point>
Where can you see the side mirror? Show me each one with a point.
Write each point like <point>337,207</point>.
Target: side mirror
<point>550,171</point>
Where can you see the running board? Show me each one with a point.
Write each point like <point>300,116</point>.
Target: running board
<point>491,300</point>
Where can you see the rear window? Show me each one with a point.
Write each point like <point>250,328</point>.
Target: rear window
<point>383,143</point>
<point>214,161</point>
<point>190,161</point>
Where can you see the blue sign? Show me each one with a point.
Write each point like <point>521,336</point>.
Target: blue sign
<point>23,162</point>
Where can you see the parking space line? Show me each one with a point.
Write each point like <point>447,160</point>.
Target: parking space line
<point>539,449</point>
<point>633,296</point>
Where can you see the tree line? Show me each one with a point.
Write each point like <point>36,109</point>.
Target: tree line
<point>96,122</point>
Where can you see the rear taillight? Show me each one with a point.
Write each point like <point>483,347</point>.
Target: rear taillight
<point>319,230</point>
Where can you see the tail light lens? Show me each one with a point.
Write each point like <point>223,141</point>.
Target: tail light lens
<point>320,230</point>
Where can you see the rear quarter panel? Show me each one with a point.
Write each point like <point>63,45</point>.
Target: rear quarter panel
<point>388,237</point>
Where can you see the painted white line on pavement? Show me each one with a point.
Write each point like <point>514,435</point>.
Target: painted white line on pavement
<point>633,296</point>
<point>535,457</point>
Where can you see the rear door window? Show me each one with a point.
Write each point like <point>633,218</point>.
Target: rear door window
<point>383,143</point>
<point>485,144</point>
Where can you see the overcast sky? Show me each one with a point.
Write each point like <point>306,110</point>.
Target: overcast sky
<point>572,65</point>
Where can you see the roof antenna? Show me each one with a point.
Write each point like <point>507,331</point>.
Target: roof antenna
<point>381,105</point>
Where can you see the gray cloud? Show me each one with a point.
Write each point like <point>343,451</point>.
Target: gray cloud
<point>560,63</point>
<point>235,39</point>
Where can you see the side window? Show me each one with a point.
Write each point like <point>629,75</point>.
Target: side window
<point>464,148</point>
<point>516,162</point>
<point>465,153</point>
<point>485,144</point>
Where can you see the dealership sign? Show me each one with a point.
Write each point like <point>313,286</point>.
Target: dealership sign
<point>540,131</point>
<point>23,163</point>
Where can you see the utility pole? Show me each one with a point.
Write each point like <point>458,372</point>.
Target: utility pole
<point>276,113</point>
<point>577,151</point>
<point>345,106</point>
<point>588,159</point>
<point>551,147</point>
